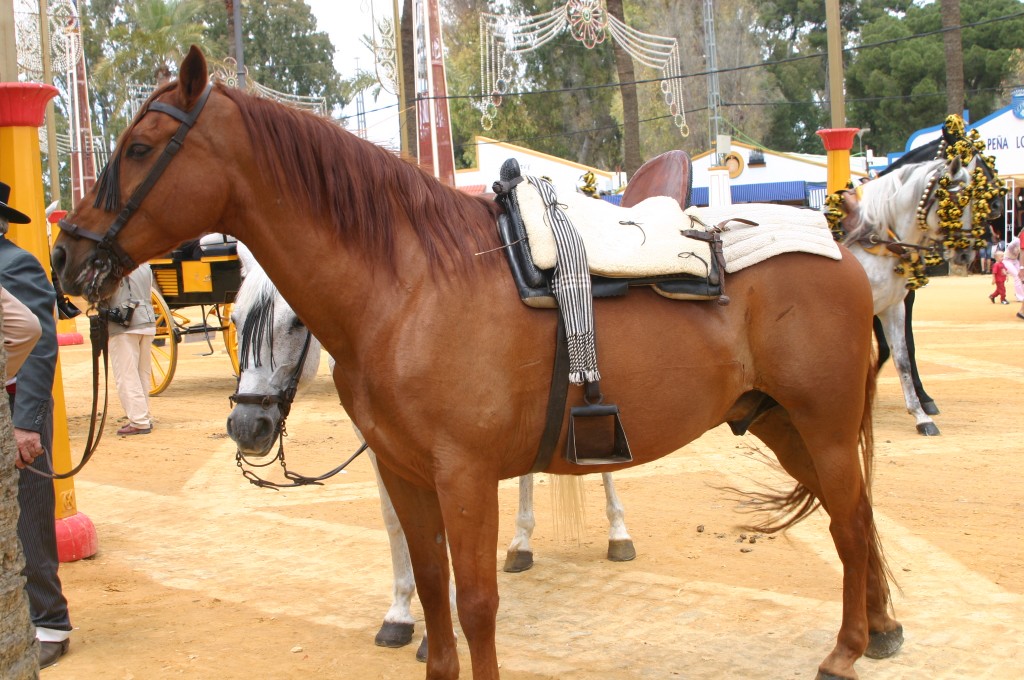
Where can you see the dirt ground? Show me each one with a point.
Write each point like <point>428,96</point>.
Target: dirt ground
<point>202,575</point>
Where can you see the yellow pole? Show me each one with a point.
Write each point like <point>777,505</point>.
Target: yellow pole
<point>838,143</point>
<point>22,109</point>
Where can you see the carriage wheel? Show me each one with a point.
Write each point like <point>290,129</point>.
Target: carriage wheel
<point>230,338</point>
<point>164,351</point>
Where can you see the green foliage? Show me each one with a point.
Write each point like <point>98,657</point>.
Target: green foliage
<point>900,87</point>
<point>283,49</point>
<point>129,42</point>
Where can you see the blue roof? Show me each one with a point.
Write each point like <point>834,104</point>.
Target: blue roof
<point>758,193</point>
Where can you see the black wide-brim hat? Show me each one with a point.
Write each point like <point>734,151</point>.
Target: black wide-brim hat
<point>10,214</point>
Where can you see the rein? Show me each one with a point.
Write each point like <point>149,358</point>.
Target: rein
<point>98,338</point>
<point>110,256</point>
<point>283,400</point>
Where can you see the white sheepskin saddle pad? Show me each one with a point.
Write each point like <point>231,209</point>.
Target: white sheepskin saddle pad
<point>646,240</point>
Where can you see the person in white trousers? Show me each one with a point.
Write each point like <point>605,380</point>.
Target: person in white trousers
<point>131,323</point>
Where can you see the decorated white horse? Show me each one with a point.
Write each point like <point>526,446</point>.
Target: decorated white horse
<point>890,227</point>
<point>278,356</point>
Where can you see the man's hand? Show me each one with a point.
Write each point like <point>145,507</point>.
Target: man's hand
<point>29,447</point>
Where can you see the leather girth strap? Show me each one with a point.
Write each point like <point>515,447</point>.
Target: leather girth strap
<point>557,395</point>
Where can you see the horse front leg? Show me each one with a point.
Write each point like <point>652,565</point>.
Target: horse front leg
<point>894,324</point>
<point>520,554</point>
<point>927,403</point>
<point>469,504</point>
<point>419,512</point>
<point>620,544</point>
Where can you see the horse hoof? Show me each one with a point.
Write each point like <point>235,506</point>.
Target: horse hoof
<point>930,408</point>
<point>822,675</point>
<point>393,634</point>
<point>883,644</point>
<point>928,429</point>
<point>421,653</point>
<point>518,561</point>
<point>621,551</point>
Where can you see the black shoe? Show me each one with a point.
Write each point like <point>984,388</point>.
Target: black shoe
<point>50,652</point>
<point>1005,302</point>
<point>992,299</point>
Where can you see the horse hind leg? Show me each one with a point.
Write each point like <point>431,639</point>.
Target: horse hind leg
<point>620,544</point>
<point>519,556</point>
<point>867,626</point>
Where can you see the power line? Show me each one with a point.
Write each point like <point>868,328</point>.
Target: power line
<point>730,69</point>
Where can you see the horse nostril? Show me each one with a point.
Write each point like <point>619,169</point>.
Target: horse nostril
<point>58,259</point>
<point>264,427</point>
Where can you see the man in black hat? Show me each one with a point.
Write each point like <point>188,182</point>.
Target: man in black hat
<point>30,395</point>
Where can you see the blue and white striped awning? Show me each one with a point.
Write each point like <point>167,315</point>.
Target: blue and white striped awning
<point>769,192</point>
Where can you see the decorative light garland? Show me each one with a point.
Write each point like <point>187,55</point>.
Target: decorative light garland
<point>589,23</point>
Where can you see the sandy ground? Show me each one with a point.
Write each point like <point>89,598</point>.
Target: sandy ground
<point>201,575</point>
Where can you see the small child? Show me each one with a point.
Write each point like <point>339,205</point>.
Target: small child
<point>999,279</point>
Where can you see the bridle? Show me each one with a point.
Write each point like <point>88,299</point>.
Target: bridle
<point>282,399</point>
<point>110,256</point>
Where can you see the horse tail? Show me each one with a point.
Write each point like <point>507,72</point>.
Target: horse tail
<point>878,567</point>
<point>567,507</point>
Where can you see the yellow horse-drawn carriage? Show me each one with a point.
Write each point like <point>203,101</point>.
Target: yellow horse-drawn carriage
<point>204,274</point>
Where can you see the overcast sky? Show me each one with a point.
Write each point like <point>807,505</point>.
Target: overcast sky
<point>346,22</point>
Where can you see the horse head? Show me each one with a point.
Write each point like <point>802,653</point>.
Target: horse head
<point>105,237</point>
<point>277,356</point>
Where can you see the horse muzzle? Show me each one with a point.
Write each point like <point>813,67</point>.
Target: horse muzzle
<point>253,428</point>
<point>94,279</point>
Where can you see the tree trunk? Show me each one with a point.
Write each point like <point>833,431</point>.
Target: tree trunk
<point>630,110</point>
<point>950,10</point>
<point>19,652</point>
<point>408,116</point>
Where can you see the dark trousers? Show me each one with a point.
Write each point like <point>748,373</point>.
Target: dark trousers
<point>37,532</point>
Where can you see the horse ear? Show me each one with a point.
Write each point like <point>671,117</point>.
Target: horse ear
<point>954,166</point>
<point>192,77</point>
<point>246,257</point>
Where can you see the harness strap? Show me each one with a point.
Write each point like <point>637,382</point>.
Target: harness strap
<point>98,335</point>
<point>107,241</point>
<point>557,394</point>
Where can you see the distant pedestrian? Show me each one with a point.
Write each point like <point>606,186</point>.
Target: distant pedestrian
<point>1013,262</point>
<point>999,279</point>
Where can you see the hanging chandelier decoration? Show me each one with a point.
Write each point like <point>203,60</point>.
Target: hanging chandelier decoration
<point>588,22</point>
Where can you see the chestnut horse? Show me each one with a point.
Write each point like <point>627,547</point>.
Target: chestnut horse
<point>447,373</point>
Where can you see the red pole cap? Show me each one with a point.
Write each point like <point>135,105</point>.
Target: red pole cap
<point>838,139</point>
<point>24,104</point>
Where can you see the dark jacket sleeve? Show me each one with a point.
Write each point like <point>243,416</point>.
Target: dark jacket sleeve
<point>23,277</point>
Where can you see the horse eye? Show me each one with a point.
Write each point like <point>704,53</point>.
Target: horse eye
<point>138,150</point>
<point>297,323</point>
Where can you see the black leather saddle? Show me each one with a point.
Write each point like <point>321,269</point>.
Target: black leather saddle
<point>534,284</point>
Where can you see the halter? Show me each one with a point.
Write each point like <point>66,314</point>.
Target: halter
<point>108,251</point>
<point>283,400</point>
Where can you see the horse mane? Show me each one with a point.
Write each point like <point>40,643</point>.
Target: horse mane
<point>256,297</point>
<point>359,187</point>
<point>884,200</point>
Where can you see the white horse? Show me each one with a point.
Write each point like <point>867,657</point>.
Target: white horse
<point>278,356</point>
<point>896,217</point>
